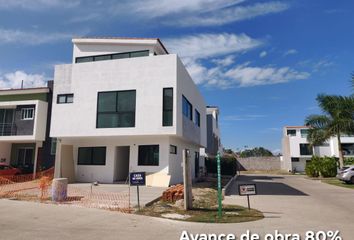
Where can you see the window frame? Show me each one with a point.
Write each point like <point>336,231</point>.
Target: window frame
<point>190,111</point>
<point>173,149</point>
<point>166,109</point>
<point>24,113</point>
<point>94,58</point>
<point>116,111</point>
<point>309,149</point>
<point>53,146</point>
<point>66,95</point>
<point>92,163</point>
<point>196,117</point>
<point>140,163</point>
<point>289,130</point>
<point>295,159</point>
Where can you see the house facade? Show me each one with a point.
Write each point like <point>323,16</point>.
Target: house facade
<point>125,105</point>
<point>297,150</point>
<point>213,133</point>
<point>24,128</point>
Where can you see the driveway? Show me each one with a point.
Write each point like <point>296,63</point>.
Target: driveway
<point>291,204</point>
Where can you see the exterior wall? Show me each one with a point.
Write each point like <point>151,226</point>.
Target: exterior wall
<point>5,152</point>
<point>259,163</point>
<point>186,87</point>
<point>24,127</point>
<point>147,75</point>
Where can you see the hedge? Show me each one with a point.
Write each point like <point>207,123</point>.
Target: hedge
<point>321,166</point>
<point>228,165</point>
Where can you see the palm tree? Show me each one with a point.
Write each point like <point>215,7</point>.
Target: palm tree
<point>338,118</point>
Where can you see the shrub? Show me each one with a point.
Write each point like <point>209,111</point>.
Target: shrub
<point>228,165</point>
<point>349,161</point>
<point>324,166</point>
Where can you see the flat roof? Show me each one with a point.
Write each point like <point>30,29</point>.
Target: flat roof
<point>82,40</point>
<point>297,127</point>
<point>13,91</point>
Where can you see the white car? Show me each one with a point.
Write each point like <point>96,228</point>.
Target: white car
<point>346,174</point>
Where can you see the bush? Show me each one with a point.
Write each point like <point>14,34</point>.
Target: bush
<point>228,165</point>
<point>324,166</point>
<point>349,161</point>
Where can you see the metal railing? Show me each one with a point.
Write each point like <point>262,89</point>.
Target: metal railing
<point>8,129</point>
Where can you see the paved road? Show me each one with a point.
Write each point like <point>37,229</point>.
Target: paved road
<point>292,204</point>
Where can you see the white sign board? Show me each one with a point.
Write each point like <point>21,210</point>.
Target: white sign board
<point>247,189</point>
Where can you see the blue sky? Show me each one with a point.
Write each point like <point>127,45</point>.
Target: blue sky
<point>261,62</point>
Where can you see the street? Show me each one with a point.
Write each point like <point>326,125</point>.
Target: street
<point>291,204</point>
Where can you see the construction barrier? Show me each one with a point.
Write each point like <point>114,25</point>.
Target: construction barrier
<point>38,188</point>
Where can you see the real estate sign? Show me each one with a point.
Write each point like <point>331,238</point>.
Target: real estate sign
<point>247,189</point>
<point>137,178</point>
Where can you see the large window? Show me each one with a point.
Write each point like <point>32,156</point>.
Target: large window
<point>53,146</point>
<point>65,98</point>
<point>291,132</point>
<point>92,156</point>
<point>116,109</point>
<point>167,108</point>
<point>305,149</point>
<point>148,155</point>
<point>304,133</point>
<point>27,113</point>
<point>96,58</point>
<point>187,108</point>
<point>197,118</point>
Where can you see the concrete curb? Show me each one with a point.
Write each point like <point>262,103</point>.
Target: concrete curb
<point>226,189</point>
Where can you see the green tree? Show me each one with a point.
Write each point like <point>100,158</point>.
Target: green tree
<point>256,152</point>
<point>337,119</point>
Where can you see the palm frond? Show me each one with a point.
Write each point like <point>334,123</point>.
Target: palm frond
<point>317,121</point>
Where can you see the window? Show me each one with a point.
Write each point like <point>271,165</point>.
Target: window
<point>65,98</point>
<point>217,120</point>
<point>92,156</point>
<point>96,58</point>
<point>173,149</point>
<point>53,146</point>
<point>167,107</point>
<point>293,159</point>
<point>305,149</point>
<point>291,132</point>
<point>116,109</point>
<point>187,108</point>
<point>27,113</point>
<point>197,118</point>
<point>148,155</point>
<point>304,133</point>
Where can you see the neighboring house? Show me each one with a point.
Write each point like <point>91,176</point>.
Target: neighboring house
<point>213,133</point>
<point>24,128</point>
<point>297,150</point>
<point>125,105</point>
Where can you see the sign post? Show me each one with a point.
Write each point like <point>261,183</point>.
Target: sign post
<point>219,185</point>
<point>247,190</point>
<point>137,179</point>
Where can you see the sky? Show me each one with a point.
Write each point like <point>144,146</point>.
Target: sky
<point>262,62</point>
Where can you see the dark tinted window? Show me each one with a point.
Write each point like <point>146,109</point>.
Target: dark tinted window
<point>92,156</point>
<point>305,149</point>
<point>167,107</point>
<point>65,98</point>
<point>187,108</point>
<point>95,58</point>
<point>148,155</point>
<point>291,132</point>
<point>197,118</point>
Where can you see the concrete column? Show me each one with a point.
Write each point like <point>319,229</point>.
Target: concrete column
<point>38,145</point>
<point>57,165</point>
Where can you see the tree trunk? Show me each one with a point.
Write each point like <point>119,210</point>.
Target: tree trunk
<point>340,151</point>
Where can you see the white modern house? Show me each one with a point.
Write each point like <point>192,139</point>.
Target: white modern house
<point>125,105</point>
<point>297,150</point>
<point>213,133</point>
<point>24,128</point>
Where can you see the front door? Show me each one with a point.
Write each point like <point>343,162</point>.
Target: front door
<point>25,159</point>
<point>196,164</point>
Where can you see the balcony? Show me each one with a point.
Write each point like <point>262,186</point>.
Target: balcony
<point>8,129</point>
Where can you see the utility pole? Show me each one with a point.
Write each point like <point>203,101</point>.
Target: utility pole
<point>187,180</point>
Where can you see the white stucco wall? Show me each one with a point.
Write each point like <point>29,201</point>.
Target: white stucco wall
<point>5,152</point>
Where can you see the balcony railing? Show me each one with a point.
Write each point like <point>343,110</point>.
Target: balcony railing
<point>8,129</point>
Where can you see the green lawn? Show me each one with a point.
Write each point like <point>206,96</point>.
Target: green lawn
<point>336,182</point>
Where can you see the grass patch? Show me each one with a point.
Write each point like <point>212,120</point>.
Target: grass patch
<point>336,182</point>
<point>205,208</point>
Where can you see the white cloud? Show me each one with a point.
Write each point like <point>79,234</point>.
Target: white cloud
<point>246,76</point>
<point>232,14</point>
<point>211,45</point>
<point>14,80</point>
<point>32,37</point>
<point>224,61</point>
<point>263,54</point>
<point>158,8</point>
<point>290,52</point>
<point>38,4</point>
